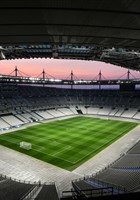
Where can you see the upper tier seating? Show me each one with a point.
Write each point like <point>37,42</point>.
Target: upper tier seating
<point>32,97</point>
<point>26,104</point>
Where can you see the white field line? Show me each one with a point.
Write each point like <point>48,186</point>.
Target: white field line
<point>41,152</point>
<point>54,155</point>
<point>101,146</point>
<point>8,141</point>
<point>67,147</point>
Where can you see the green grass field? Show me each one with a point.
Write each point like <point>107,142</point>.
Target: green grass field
<point>70,142</point>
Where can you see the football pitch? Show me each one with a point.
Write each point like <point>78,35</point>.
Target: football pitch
<point>67,143</point>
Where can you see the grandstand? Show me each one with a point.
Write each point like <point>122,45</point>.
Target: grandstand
<point>28,110</point>
<point>48,103</point>
<point>106,31</point>
<point>124,172</point>
<point>15,190</point>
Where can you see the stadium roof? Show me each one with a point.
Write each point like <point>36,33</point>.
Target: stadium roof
<point>104,30</point>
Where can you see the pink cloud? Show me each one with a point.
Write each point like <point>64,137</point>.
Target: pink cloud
<point>62,68</point>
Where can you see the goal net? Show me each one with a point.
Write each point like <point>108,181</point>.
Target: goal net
<point>25,145</point>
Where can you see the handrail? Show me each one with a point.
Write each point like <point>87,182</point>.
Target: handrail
<point>27,182</point>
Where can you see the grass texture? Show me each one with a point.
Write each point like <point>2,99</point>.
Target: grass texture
<point>70,142</point>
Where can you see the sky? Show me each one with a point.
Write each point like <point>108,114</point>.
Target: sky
<point>61,69</point>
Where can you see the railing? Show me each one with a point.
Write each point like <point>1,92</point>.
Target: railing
<point>101,171</point>
<point>27,182</point>
<point>117,189</point>
<point>88,192</point>
<point>53,81</point>
<point>30,193</point>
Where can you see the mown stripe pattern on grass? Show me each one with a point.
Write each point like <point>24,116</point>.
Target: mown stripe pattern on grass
<point>70,142</point>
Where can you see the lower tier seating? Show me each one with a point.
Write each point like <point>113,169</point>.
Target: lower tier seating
<point>13,190</point>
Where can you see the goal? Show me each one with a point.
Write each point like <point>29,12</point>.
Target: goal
<point>25,145</point>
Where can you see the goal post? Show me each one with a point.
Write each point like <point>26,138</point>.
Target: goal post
<point>25,145</point>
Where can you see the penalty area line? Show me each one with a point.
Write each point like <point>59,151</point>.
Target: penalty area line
<point>68,147</point>
<point>37,151</point>
<point>53,155</point>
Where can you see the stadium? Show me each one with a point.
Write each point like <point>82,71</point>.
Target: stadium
<point>69,138</point>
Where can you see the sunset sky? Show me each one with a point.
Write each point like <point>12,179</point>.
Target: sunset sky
<point>62,68</point>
